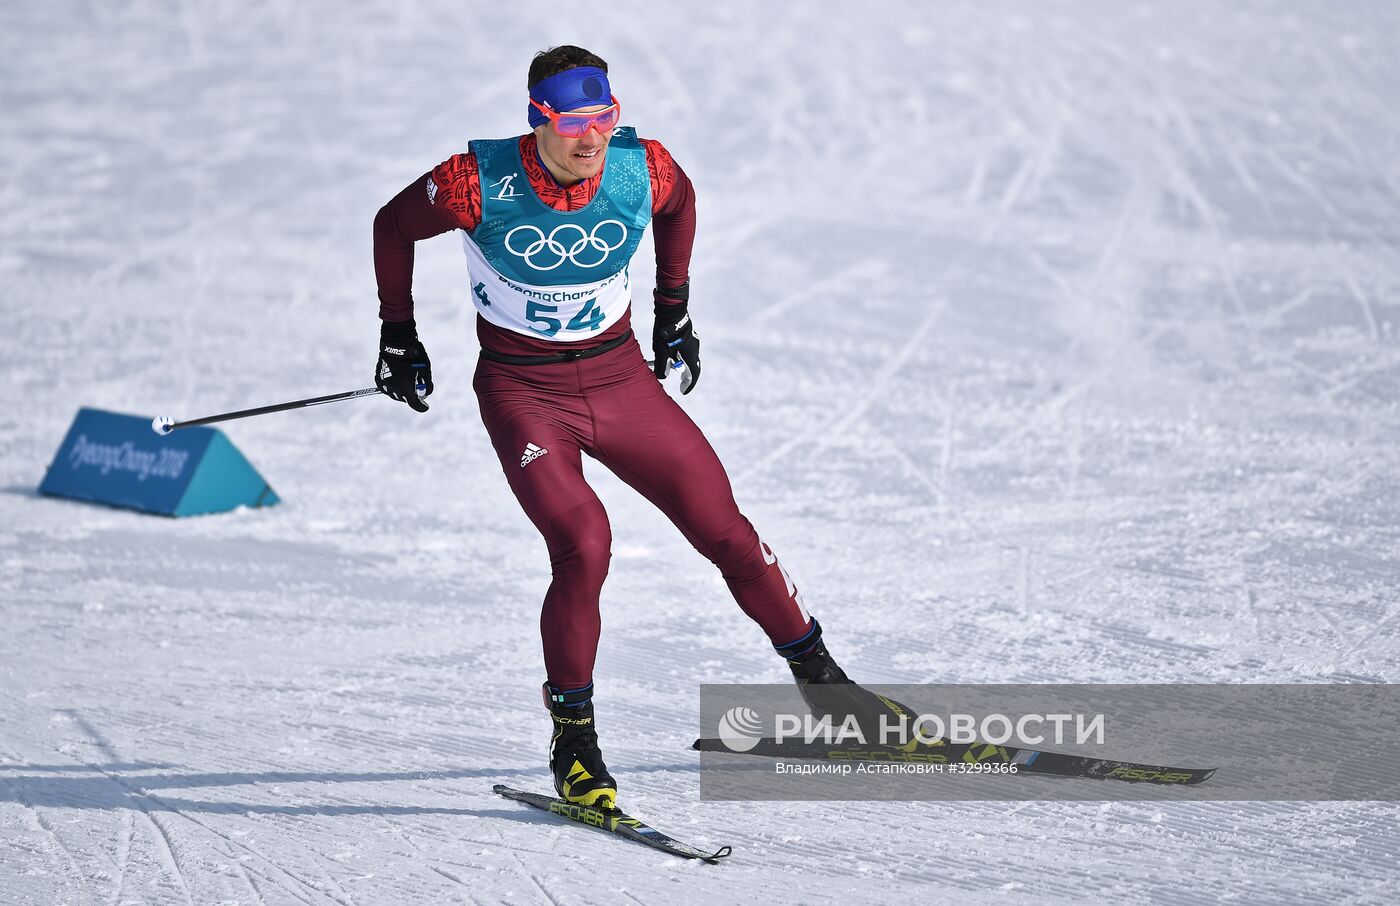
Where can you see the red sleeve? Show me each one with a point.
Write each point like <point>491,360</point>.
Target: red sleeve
<point>458,184</point>
<point>672,217</point>
<point>663,172</point>
<point>448,198</point>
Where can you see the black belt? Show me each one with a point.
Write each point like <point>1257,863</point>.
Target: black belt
<point>571,355</point>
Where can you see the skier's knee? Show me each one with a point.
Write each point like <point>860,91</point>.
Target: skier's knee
<point>586,552</point>
<point>593,551</point>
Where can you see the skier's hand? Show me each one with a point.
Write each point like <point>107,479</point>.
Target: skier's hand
<point>403,372</point>
<point>673,336</point>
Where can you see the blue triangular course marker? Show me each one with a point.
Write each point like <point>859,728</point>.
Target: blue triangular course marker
<point>116,459</point>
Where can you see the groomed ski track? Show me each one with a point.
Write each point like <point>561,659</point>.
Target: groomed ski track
<point>1044,343</point>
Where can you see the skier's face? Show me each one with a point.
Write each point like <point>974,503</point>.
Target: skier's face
<point>572,160</point>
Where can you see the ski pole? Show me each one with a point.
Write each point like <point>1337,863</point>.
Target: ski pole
<point>164,424</point>
<point>676,364</point>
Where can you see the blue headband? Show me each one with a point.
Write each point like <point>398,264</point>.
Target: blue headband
<point>582,86</point>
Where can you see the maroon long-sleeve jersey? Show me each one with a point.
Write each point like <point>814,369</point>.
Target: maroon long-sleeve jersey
<point>449,198</point>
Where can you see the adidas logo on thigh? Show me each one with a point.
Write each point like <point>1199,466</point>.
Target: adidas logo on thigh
<point>531,454</point>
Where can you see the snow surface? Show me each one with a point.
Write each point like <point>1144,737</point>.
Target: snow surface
<point>1045,342</point>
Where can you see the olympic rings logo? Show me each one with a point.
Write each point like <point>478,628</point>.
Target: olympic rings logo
<point>585,246</point>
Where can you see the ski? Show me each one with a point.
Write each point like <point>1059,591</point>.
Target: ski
<point>1031,761</point>
<point>615,822</point>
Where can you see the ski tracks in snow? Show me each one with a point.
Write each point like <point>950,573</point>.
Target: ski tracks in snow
<point>1079,327</point>
<point>892,368</point>
<point>174,851</point>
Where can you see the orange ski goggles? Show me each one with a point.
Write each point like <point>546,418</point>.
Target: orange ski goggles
<point>576,125</point>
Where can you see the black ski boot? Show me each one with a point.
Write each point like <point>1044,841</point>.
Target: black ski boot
<point>830,693</point>
<point>574,759</point>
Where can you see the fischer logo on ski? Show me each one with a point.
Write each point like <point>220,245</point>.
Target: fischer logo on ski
<point>615,822</point>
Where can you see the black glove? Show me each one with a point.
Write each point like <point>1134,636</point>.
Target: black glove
<point>673,336</point>
<point>404,371</point>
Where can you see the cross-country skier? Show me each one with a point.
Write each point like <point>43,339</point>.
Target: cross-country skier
<point>550,220</point>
